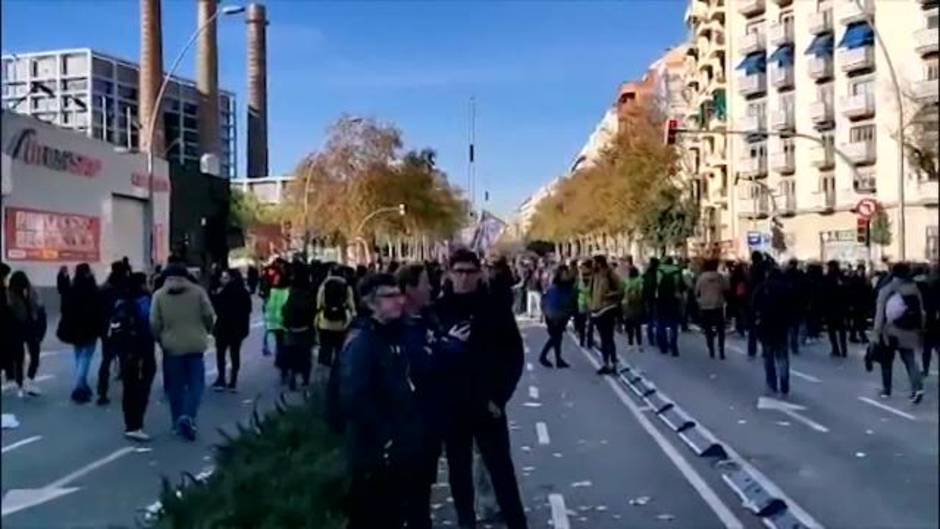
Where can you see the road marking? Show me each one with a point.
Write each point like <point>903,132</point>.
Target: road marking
<point>888,409</point>
<point>44,354</point>
<point>16,500</point>
<point>533,393</point>
<point>728,519</point>
<point>790,410</point>
<point>22,442</point>
<point>559,512</point>
<point>541,430</point>
<point>804,376</point>
<point>256,324</point>
<point>528,366</point>
<point>10,385</point>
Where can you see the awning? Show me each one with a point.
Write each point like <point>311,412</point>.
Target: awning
<point>821,45</point>
<point>858,34</point>
<point>783,55</point>
<point>754,63</point>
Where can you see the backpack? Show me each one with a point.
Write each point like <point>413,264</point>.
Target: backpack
<point>904,311</point>
<point>334,299</point>
<point>667,290</point>
<point>126,325</point>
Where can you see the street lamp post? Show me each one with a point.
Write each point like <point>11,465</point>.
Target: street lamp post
<point>400,209</point>
<point>152,119</point>
<point>902,225</point>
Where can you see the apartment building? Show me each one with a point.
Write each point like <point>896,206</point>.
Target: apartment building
<point>706,66</point>
<point>96,94</point>
<point>812,74</point>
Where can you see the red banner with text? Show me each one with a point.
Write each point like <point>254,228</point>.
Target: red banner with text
<point>35,235</point>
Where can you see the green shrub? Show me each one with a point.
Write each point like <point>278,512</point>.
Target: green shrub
<point>286,471</point>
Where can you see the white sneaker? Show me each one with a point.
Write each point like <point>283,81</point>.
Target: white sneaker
<point>32,388</point>
<point>20,393</point>
<point>137,435</point>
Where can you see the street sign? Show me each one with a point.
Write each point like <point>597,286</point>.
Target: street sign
<point>866,207</point>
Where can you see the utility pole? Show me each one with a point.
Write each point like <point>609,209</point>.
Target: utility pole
<point>471,160</point>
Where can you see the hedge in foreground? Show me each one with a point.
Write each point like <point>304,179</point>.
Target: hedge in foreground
<point>286,471</point>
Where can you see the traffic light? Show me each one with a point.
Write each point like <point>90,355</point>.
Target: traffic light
<point>862,232</point>
<point>672,128</point>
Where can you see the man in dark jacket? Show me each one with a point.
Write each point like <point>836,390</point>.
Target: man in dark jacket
<point>835,308</point>
<point>650,279</point>
<point>772,307</point>
<point>489,365</point>
<point>111,292</point>
<point>755,277</point>
<point>861,304</point>
<point>383,429</point>
<point>797,283</point>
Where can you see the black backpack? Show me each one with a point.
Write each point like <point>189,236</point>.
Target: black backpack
<point>668,288</point>
<point>126,326</point>
<point>334,299</point>
<point>910,319</point>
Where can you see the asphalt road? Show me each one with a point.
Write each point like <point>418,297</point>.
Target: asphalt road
<point>587,452</point>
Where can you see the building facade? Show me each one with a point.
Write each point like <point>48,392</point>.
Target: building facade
<point>97,95</point>
<point>269,190</point>
<point>813,77</point>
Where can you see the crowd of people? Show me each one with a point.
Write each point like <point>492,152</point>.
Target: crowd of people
<point>419,360</point>
<point>779,307</point>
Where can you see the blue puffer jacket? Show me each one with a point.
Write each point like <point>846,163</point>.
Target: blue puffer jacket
<point>560,302</point>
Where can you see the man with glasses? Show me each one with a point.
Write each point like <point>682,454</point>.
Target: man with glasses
<point>487,365</point>
<point>383,427</point>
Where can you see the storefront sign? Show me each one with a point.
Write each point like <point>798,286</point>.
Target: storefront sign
<point>26,148</point>
<point>34,235</point>
<point>160,185</point>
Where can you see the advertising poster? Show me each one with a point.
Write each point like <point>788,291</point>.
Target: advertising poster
<point>35,235</point>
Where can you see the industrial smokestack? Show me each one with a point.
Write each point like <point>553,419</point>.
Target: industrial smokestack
<point>207,80</point>
<point>150,75</point>
<point>257,92</point>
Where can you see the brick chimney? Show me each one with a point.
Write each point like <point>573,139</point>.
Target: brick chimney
<point>150,75</point>
<point>257,92</point>
<point>207,79</point>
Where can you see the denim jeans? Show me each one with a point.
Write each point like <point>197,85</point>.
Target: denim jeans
<point>910,364</point>
<point>777,365</point>
<point>667,334</point>
<point>83,355</point>
<point>184,379</point>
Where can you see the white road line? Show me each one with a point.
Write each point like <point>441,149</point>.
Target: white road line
<point>21,442</point>
<point>528,366</point>
<point>65,480</point>
<point>44,354</point>
<point>541,430</point>
<point>10,385</point>
<point>559,512</point>
<point>887,408</point>
<point>533,393</point>
<point>728,519</point>
<point>805,376</point>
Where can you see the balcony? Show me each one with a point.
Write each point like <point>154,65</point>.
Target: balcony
<point>781,33</point>
<point>753,167</point>
<point>820,68</point>
<point>750,7</point>
<point>829,198</point>
<point>782,120</point>
<point>751,42</point>
<point>861,58</point>
<point>821,113</point>
<point>849,10</point>
<point>783,162</point>
<point>823,158</point>
<point>860,152</point>
<point>926,41</point>
<point>858,106</point>
<point>781,76</point>
<point>753,124</point>
<point>752,84</point>
<point>716,159</point>
<point>789,204</point>
<point>820,22</point>
<point>926,90</point>
<point>865,183</point>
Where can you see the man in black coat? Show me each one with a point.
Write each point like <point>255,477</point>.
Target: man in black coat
<point>382,426</point>
<point>488,365</point>
<point>773,316</point>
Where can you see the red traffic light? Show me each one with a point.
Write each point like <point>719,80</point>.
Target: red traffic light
<point>672,128</point>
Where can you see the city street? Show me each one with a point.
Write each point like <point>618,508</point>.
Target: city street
<point>588,452</point>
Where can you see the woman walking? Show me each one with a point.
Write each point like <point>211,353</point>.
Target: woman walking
<point>299,313</point>
<point>30,323</point>
<point>559,303</point>
<point>232,304</point>
<point>710,292</point>
<point>273,318</point>
<point>633,305</point>
<point>81,325</point>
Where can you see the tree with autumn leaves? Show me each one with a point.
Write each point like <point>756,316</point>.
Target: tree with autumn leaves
<point>633,191</point>
<point>362,168</point>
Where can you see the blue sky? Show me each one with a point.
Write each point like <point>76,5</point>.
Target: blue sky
<point>542,72</point>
